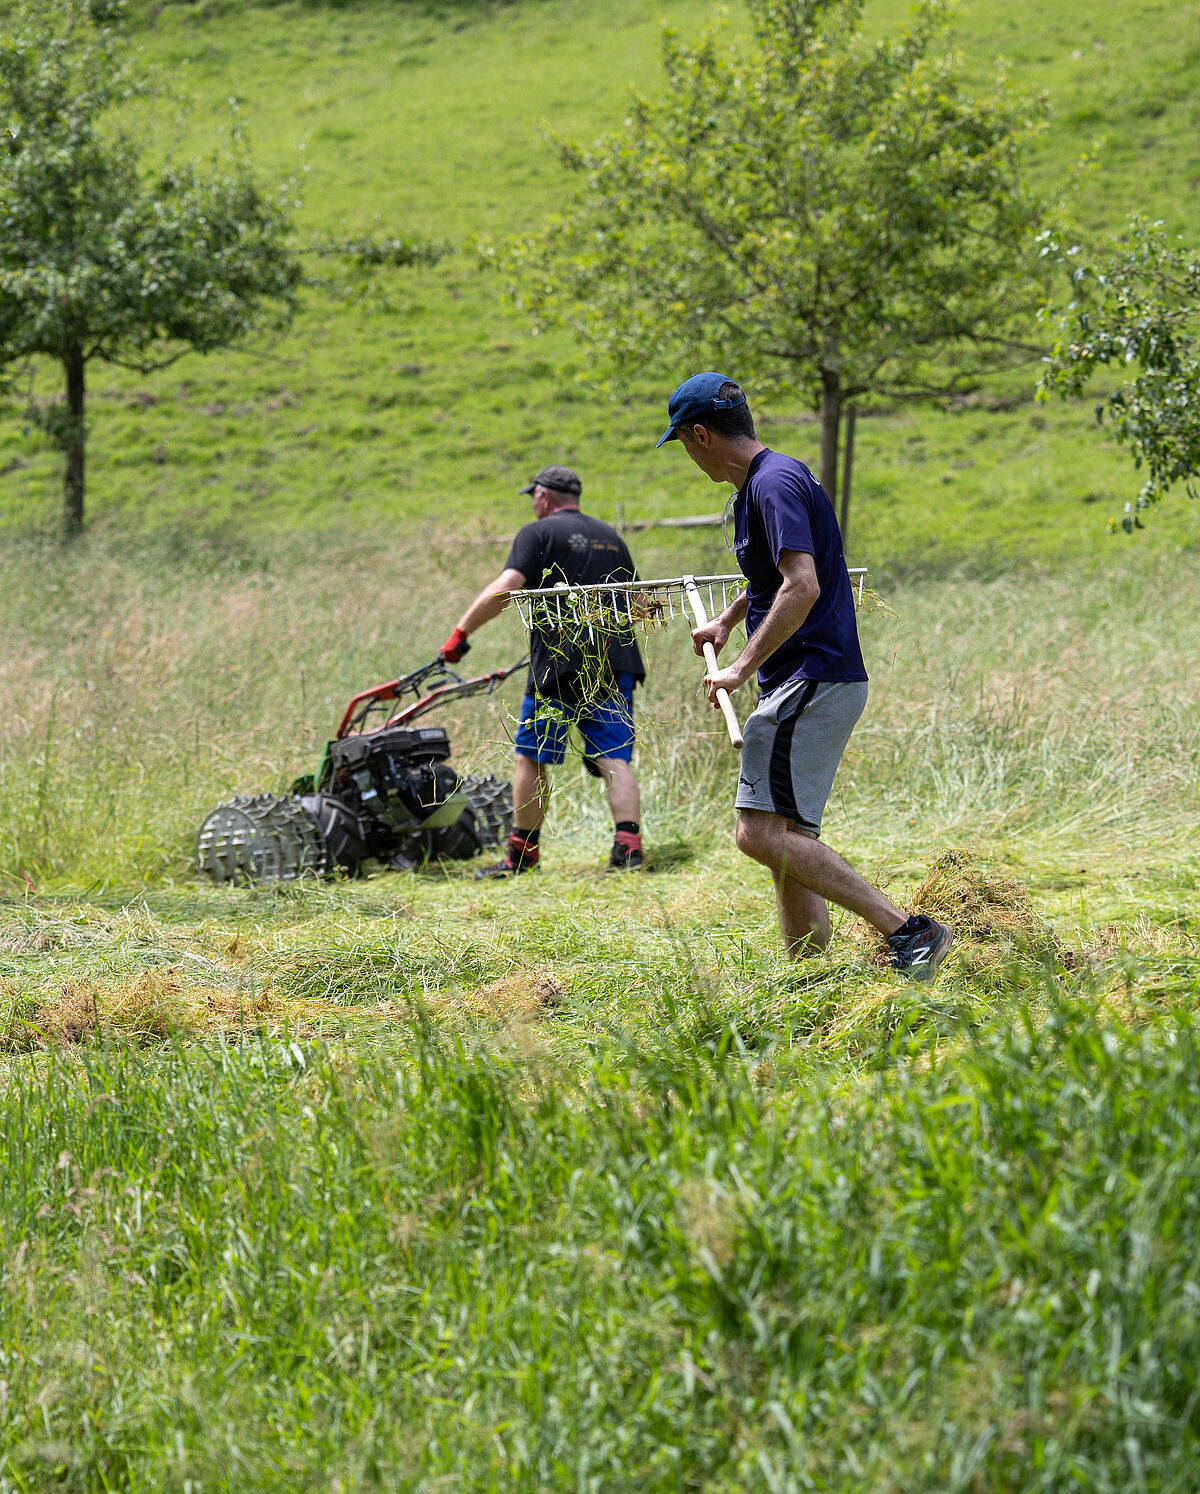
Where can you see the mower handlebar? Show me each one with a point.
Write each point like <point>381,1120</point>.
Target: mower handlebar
<point>480,684</point>
<point>454,686</point>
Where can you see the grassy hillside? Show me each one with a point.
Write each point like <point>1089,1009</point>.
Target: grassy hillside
<point>432,123</point>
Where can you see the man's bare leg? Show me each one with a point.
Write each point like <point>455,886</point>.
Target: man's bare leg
<point>803,915</point>
<point>531,796</point>
<point>624,797</point>
<point>531,793</point>
<point>769,839</point>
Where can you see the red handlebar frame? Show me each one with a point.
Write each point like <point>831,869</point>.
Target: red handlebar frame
<point>389,691</point>
<point>377,692</point>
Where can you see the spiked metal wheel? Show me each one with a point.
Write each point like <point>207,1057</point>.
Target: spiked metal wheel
<point>491,803</point>
<point>260,838</point>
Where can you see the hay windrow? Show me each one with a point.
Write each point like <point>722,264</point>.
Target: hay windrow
<point>524,995</point>
<point>979,903</point>
<point>154,1007</point>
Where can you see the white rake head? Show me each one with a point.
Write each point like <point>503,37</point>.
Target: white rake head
<point>616,607</point>
<point>620,606</point>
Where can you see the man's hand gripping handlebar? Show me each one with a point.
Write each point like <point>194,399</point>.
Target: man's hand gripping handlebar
<point>454,648</point>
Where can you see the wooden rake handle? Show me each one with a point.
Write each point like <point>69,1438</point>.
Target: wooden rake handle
<point>692,592</point>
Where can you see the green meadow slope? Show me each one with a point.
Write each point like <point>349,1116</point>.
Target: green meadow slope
<point>440,402</point>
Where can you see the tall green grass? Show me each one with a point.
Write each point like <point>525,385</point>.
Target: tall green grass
<point>141,688</point>
<point>445,1266</point>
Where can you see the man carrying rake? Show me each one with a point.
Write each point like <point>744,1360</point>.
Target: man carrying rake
<point>802,639</point>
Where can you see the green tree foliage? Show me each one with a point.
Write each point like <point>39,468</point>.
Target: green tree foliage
<point>817,211</point>
<point>100,259</point>
<point>1138,304</point>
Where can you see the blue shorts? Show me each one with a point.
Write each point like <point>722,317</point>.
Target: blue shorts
<point>605,726</point>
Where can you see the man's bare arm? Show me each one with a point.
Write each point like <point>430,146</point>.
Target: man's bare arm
<point>795,599</point>
<point>491,601</point>
<point>734,613</point>
<point>718,630</point>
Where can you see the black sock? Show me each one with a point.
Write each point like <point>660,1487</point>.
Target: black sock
<point>530,837</point>
<point>630,827</point>
<point>913,924</point>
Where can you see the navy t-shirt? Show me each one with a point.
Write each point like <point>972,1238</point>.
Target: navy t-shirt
<point>781,506</point>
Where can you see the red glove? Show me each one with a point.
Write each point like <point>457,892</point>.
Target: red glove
<point>454,647</point>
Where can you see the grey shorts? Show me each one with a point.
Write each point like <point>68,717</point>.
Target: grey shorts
<point>792,744</point>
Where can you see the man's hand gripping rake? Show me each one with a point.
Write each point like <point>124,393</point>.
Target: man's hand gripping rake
<point>708,639</point>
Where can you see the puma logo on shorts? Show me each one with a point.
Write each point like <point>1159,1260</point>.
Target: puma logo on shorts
<point>793,741</point>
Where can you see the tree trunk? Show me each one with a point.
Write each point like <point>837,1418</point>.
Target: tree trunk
<point>73,437</point>
<point>831,419</point>
<point>847,469</point>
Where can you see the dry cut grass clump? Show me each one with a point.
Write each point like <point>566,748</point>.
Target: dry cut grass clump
<point>978,903</point>
<point>992,915</point>
<point>157,1005</point>
<point>522,996</point>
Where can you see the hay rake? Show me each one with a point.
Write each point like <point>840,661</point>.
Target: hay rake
<point>615,608</point>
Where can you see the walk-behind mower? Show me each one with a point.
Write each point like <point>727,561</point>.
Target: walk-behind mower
<point>384,790</point>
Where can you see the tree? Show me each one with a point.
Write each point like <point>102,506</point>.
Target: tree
<point>99,259</point>
<point>842,216</point>
<point>1137,304</point>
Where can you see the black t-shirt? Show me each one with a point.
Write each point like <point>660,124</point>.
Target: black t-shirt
<point>582,656</point>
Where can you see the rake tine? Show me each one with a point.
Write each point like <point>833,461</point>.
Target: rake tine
<point>609,608</point>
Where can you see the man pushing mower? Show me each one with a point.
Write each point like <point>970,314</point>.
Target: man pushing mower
<point>578,677</point>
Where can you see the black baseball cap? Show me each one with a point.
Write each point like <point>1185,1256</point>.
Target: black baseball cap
<point>697,396</point>
<point>558,479</point>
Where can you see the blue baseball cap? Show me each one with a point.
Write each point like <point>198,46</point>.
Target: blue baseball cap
<point>697,396</point>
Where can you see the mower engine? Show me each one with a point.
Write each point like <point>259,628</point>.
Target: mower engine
<point>394,796</point>
<point>387,794</point>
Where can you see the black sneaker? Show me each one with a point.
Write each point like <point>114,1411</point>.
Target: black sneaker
<point>621,858</point>
<point>499,870</point>
<point>919,946</point>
